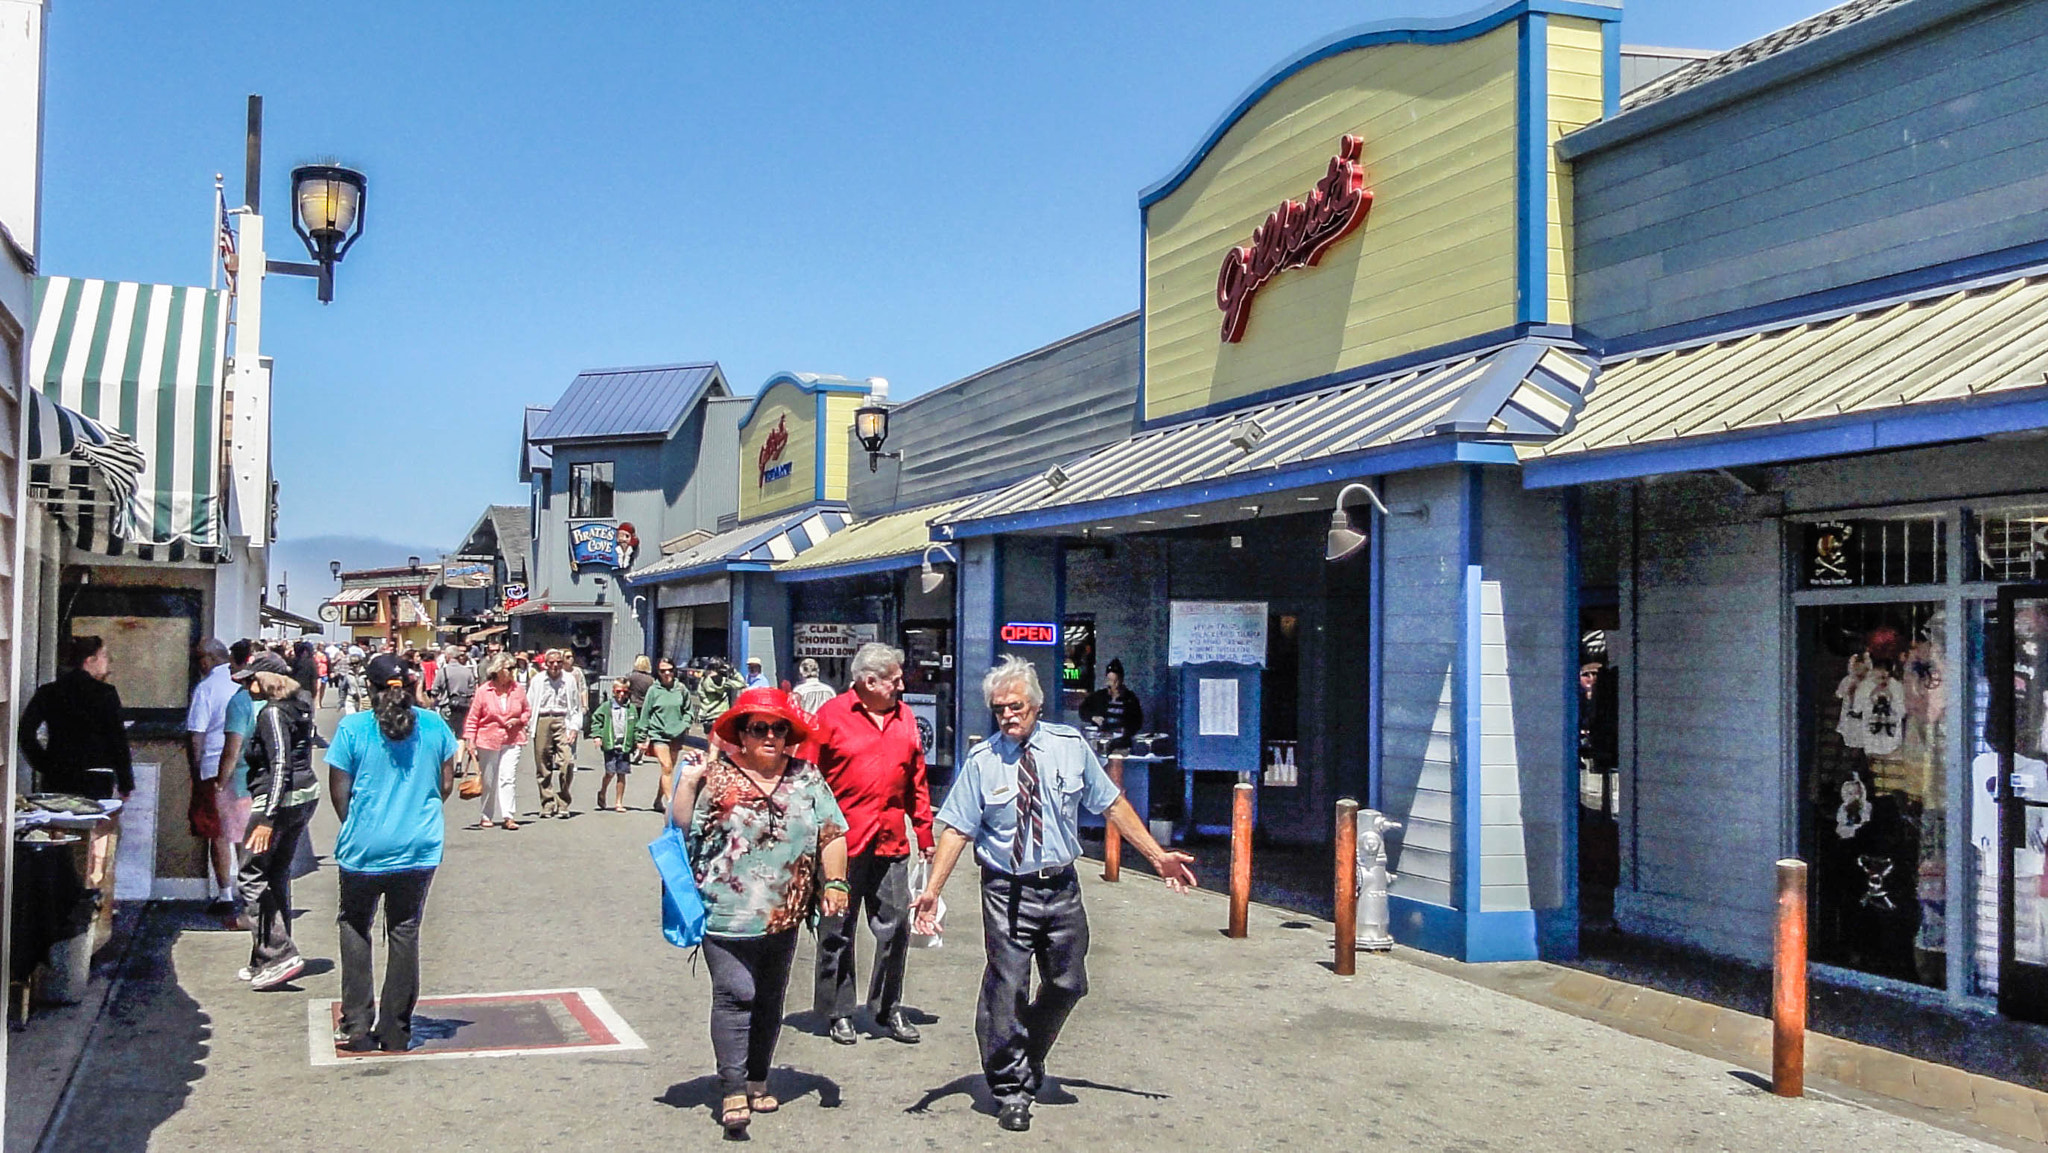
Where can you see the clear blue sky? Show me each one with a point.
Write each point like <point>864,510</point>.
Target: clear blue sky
<point>909,190</point>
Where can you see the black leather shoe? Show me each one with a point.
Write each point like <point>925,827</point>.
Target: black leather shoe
<point>842,1032</point>
<point>1015,1116</point>
<point>897,1028</point>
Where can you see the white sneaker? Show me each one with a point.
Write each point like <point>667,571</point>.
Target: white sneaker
<point>244,973</point>
<point>278,973</point>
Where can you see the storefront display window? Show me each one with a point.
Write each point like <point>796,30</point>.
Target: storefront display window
<point>1875,785</point>
<point>1077,671</point>
<point>2011,545</point>
<point>1874,553</point>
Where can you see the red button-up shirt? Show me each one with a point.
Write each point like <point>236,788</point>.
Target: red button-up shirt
<point>876,773</point>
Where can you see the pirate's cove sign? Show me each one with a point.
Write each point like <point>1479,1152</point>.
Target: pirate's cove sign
<point>1295,235</point>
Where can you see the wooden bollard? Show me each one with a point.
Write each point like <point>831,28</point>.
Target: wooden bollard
<point>1113,841</point>
<point>1788,983</point>
<point>1240,859</point>
<point>1347,887</point>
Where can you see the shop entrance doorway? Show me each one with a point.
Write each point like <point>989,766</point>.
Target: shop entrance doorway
<point>2020,660</point>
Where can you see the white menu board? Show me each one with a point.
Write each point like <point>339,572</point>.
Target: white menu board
<point>1207,632</point>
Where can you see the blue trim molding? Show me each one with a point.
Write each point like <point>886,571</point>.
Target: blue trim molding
<point>1610,68</point>
<point>1908,426</point>
<point>1467,699</point>
<point>1447,31</point>
<point>1375,658</point>
<point>1559,929</point>
<point>817,386</point>
<point>1532,173</point>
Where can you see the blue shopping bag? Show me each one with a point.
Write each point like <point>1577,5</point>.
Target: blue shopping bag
<point>682,907</point>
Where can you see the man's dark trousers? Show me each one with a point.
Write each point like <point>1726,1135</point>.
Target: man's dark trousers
<point>405,898</point>
<point>1027,919</point>
<point>882,885</point>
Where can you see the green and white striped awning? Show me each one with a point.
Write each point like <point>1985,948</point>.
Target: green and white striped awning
<point>147,360</point>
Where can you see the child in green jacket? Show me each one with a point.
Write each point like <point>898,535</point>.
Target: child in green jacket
<point>612,725</point>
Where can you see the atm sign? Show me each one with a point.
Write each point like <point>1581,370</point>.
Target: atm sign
<point>1030,633</point>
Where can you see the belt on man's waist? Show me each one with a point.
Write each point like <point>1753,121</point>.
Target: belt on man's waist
<point>1050,874</point>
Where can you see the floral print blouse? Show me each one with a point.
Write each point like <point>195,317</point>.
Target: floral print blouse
<point>756,855</point>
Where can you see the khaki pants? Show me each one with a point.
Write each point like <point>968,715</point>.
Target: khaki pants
<point>554,763</point>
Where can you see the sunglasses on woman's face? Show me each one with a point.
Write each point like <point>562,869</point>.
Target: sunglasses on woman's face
<point>762,730</point>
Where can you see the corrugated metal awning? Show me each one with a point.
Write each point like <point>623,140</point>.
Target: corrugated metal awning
<point>351,596</point>
<point>1513,393</point>
<point>760,543</point>
<point>899,537</point>
<point>147,360</point>
<point>1960,347</point>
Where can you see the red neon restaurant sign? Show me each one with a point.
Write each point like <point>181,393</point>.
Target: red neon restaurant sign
<point>1295,235</point>
<point>1029,633</point>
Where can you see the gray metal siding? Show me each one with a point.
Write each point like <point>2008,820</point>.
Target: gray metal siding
<point>1928,151</point>
<point>1006,422</point>
<point>1418,646</point>
<point>1702,719</point>
<point>626,402</point>
<point>1523,638</point>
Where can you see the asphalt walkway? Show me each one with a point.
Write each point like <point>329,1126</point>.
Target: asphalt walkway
<point>1188,1040</point>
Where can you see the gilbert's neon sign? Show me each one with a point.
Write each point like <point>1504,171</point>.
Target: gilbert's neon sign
<point>771,451</point>
<point>1295,235</point>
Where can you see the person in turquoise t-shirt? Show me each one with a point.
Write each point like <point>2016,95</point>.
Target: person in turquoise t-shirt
<point>388,771</point>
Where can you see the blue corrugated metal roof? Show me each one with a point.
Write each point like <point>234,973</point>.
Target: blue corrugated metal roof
<point>621,403</point>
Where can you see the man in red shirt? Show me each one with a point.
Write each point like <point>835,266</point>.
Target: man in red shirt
<point>868,747</point>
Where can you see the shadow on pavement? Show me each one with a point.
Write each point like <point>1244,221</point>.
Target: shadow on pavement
<point>1055,1091</point>
<point>787,1084</point>
<point>151,1043</point>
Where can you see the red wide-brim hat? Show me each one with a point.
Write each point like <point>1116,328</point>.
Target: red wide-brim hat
<point>764,701</point>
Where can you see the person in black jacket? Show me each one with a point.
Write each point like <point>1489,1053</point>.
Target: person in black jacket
<point>282,793</point>
<point>83,713</point>
<point>1115,709</point>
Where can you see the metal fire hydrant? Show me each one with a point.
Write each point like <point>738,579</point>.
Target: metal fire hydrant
<point>1373,922</point>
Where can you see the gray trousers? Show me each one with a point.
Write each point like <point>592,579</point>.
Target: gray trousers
<point>1026,920</point>
<point>749,975</point>
<point>882,886</point>
<point>266,881</point>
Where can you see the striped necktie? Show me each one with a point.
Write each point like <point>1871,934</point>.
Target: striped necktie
<point>1030,822</point>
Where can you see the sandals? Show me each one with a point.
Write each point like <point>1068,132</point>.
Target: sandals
<point>510,824</point>
<point>763,1101</point>
<point>734,1113</point>
<point>486,823</point>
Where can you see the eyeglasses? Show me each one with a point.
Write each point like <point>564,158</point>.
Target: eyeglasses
<point>668,669</point>
<point>762,730</point>
<point>1005,708</point>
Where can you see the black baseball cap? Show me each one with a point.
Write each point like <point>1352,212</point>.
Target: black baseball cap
<point>263,662</point>
<point>388,671</point>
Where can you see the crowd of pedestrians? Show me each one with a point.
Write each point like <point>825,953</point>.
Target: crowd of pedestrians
<point>800,806</point>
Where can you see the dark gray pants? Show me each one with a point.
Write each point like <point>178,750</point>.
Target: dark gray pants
<point>404,896</point>
<point>266,881</point>
<point>882,886</point>
<point>1027,919</point>
<point>749,976</point>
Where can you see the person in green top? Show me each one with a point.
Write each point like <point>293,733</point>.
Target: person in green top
<point>664,717</point>
<point>716,691</point>
<point>613,724</point>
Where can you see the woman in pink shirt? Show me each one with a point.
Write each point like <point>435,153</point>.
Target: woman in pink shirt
<point>496,729</point>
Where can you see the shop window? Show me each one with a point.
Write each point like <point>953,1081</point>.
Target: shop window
<point>1874,553</point>
<point>1875,786</point>
<point>590,490</point>
<point>2010,546</point>
<point>1077,670</point>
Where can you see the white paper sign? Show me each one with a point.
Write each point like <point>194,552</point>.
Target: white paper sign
<point>1204,632</point>
<point>830,641</point>
<point>1219,708</point>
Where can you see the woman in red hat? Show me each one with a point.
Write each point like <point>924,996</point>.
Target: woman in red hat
<point>767,842</point>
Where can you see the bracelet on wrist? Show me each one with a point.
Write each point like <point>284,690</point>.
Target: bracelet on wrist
<point>838,884</point>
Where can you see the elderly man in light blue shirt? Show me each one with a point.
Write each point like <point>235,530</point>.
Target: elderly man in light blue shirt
<point>1018,798</point>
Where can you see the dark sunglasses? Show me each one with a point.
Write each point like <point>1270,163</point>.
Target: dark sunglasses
<point>666,669</point>
<point>762,730</point>
<point>1008,707</point>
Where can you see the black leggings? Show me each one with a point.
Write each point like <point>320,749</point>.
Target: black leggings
<point>749,975</point>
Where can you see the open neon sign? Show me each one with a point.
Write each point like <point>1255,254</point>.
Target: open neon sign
<point>1295,235</point>
<point>1030,633</point>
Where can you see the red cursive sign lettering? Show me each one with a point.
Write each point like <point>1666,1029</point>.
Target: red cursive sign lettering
<point>771,449</point>
<point>1295,235</point>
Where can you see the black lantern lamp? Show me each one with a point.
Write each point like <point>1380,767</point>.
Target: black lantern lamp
<point>871,423</point>
<point>327,213</point>
<point>334,569</point>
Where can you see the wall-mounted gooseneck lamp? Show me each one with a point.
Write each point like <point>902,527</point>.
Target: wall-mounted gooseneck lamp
<point>1345,539</point>
<point>930,578</point>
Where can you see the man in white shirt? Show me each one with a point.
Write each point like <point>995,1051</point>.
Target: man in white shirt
<point>558,716</point>
<point>756,679</point>
<point>206,736</point>
<point>810,693</point>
